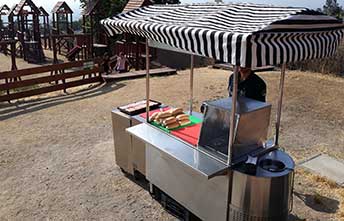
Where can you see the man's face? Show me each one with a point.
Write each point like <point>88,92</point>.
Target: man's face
<point>245,71</point>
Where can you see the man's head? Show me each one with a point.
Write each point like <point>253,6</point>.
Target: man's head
<point>121,54</point>
<point>244,72</point>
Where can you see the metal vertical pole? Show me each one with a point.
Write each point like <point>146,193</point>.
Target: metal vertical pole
<point>233,113</point>
<point>191,82</point>
<point>280,102</point>
<point>147,80</point>
<point>232,136</point>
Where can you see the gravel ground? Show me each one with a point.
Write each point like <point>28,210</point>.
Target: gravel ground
<point>57,158</point>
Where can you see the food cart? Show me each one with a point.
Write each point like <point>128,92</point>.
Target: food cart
<point>227,168</point>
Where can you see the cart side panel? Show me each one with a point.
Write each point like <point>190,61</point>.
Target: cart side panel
<point>122,141</point>
<point>205,198</point>
<point>139,155</point>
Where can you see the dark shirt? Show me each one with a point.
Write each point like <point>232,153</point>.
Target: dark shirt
<point>252,87</point>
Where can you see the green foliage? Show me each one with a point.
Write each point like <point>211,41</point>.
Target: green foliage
<point>107,7</point>
<point>77,25</point>
<point>332,8</point>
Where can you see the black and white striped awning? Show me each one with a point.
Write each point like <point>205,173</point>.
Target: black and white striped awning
<point>248,35</point>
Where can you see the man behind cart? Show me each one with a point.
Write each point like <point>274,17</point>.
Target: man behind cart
<point>250,85</point>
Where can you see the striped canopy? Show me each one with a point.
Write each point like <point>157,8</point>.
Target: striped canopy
<point>247,35</point>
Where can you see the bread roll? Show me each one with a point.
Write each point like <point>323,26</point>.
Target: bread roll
<point>153,117</point>
<point>172,126</point>
<point>170,120</point>
<point>176,111</point>
<point>184,122</point>
<point>182,116</point>
<point>164,114</point>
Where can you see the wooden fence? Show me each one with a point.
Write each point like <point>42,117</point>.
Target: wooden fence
<point>34,81</point>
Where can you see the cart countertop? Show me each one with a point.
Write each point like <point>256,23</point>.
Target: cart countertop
<point>186,154</point>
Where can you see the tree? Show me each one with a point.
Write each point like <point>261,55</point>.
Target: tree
<point>107,7</point>
<point>332,8</point>
<point>77,25</point>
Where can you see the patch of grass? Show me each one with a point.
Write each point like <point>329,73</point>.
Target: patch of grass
<point>324,187</point>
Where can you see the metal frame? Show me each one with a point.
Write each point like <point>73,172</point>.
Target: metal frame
<point>233,119</point>
<point>192,61</point>
<point>233,113</point>
<point>280,103</point>
<point>147,81</point>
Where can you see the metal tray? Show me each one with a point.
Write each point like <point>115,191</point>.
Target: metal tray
<point>125,110</point>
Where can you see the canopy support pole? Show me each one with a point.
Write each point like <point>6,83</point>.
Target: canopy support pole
<point>233,113</point>
<point>232,135</point>
<point>280,102</point>
<point>147,81</point>
<point>192,59</point>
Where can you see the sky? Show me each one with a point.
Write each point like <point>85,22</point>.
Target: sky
<point>75,4</point>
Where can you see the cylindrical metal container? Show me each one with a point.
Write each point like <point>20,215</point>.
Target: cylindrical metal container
<point>266,193</point>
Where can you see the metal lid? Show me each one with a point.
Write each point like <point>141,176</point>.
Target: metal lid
<point>244,105</point>
<point>273,164</point>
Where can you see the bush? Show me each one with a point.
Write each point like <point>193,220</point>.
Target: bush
<point>331,65</point>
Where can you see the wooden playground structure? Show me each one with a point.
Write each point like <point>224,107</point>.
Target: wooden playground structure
<point>7,40</point>
<point>45,28</point>
<point>132,45</point>
<point>28,30</point>
<point>64,39</point>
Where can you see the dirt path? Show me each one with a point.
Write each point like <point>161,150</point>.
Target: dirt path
<point>57,157</point>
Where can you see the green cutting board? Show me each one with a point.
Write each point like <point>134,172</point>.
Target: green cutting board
<point>194,120</point>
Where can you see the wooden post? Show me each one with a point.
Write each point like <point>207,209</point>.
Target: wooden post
<point>71,21</point>
<point>58,30</point>
<point>49,33</point>
<point>13,56</point>
<point>22,21</point>
<point>137,53</point>
<point>91,36</point>
<point>45,32</point>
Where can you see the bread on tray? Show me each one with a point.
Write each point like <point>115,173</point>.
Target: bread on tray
<point>184,122</point>
<point>176,111</point>
<point>172,126</point>
<point>153,116</point>
<point>169,120</point>
<point>182,117</point>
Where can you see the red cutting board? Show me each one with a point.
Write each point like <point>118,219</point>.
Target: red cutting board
<point>188,134</point>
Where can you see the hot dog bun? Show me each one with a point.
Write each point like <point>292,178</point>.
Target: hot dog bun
<point>184,122</point>
<point>153,117</point>
<point>176,111</point>
<point>182,116</point>
<point>164,114</point>
<point>170,120</point>
<point>172,126</point>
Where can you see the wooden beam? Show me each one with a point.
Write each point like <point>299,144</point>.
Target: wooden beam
<point>47,79</point>
<point>42,69</point>
<point>43,90</point>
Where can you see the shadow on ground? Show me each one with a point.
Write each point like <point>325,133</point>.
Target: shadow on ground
<point>9,110</point>
<point>319,203</point>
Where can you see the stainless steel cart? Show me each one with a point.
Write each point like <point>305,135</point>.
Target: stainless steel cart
<point>235,172</point>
